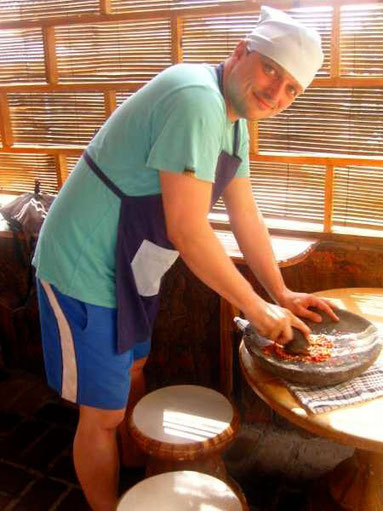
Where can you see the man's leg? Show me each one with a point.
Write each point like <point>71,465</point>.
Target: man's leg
<point>138,384</point>
<point>131,455</point>
<point>82,365</point>
<point>96,457</point>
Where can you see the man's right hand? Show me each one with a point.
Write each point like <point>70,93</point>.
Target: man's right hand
<point>275,322</point>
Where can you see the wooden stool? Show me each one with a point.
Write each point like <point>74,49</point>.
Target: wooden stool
<point>179,491</point>
<point>184,427</point>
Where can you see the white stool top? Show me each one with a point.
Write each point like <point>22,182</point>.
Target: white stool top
<point>183,414</point>
<point>180,491</point>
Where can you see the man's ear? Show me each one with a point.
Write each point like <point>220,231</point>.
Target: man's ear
<point>240,50</point>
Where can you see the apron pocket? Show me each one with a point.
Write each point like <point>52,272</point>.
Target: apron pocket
<point>149,264</point>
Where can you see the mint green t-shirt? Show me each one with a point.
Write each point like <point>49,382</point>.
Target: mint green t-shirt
<point>175,122</point>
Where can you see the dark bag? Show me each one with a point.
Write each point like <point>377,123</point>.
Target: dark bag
<point>27,212</point>
<point>26,215</point>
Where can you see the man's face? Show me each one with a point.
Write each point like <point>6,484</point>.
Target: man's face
<point>257,87</point>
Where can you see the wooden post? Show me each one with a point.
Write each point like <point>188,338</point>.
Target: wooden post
<point>105,6</point>
<point>49,39</point>
<point>335,43</point>
<point>176,28</point>
<point>253,127</point>
<point>5,121</point>
<point>110,102</point>
<point>61,165</point>
<point>329,198</point>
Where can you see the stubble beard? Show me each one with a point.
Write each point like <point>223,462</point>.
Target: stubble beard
<point>240,107</point>
<point>237,103</point>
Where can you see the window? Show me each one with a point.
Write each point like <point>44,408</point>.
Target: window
<point>66,65</point>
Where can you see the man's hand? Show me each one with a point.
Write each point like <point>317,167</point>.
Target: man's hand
<point>275,322</point>
<point>299,303</point>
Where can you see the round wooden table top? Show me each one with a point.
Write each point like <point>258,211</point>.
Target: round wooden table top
<point>357,425</point>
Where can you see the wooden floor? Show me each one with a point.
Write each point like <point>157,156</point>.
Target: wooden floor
<point>36,471</point>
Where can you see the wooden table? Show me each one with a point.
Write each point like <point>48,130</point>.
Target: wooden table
<point>357,483</point>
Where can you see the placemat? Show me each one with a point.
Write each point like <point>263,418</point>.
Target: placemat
<point>367,386</point>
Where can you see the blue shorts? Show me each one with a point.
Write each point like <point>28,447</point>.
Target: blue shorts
<point>80,350</point>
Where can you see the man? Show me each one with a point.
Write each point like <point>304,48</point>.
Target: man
<point>138,198</point>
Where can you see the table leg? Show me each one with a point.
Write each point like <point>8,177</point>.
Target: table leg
<point>356,484</point>
<point>227,313</point>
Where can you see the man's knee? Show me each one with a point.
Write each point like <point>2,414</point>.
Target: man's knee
<point>100,419</point>
<point>138,366</point>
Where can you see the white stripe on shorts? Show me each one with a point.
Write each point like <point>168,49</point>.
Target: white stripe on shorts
<point>69,376</point>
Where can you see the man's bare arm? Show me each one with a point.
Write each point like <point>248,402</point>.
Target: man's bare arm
<point>186,203</point>
<point>254,241</point>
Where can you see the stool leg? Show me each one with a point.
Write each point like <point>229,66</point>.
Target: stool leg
<point>212,465</point>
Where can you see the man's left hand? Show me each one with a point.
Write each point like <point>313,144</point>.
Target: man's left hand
<point>299,303</point>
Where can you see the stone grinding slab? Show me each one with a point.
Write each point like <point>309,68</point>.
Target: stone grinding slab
<point>357,345</point>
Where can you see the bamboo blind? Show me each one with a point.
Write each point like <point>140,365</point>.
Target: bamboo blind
<point>60,118</point>
<point>362,42</point>
<point>21,56</point>
<point>15,10</point>
<point>140,51</point>
<point>297,194</point>
<point>71,163</point>
<point>342,121</point>
<point>19,171</point>
<point>357,197</point>
<point>297,189</point>
<point>65,65</point>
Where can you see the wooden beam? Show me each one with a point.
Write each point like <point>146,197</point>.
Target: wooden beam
<point>348,82</point>
<point>106,7</point>
<point>228,8</point>
<point>160,14</point>
<point>110,102</point>
<point>61,165</point>
<point>314,159</point>
<point>176,30</point>
<point>5,122</point>
<point>318,159</point>
<point>329,198</point>
<point>70,151</point>
<point>68,87</point>
<point>133,86</point>
<point>49,39</point>
<point>335,43</point>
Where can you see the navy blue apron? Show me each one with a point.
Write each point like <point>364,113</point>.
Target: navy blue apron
<point>144,253</point>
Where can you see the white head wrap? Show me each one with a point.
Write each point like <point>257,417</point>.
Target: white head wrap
<point>288,43</point>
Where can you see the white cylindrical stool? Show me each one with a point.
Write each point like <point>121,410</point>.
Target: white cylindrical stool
<point>181,491</point>
<point>184,427</point>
